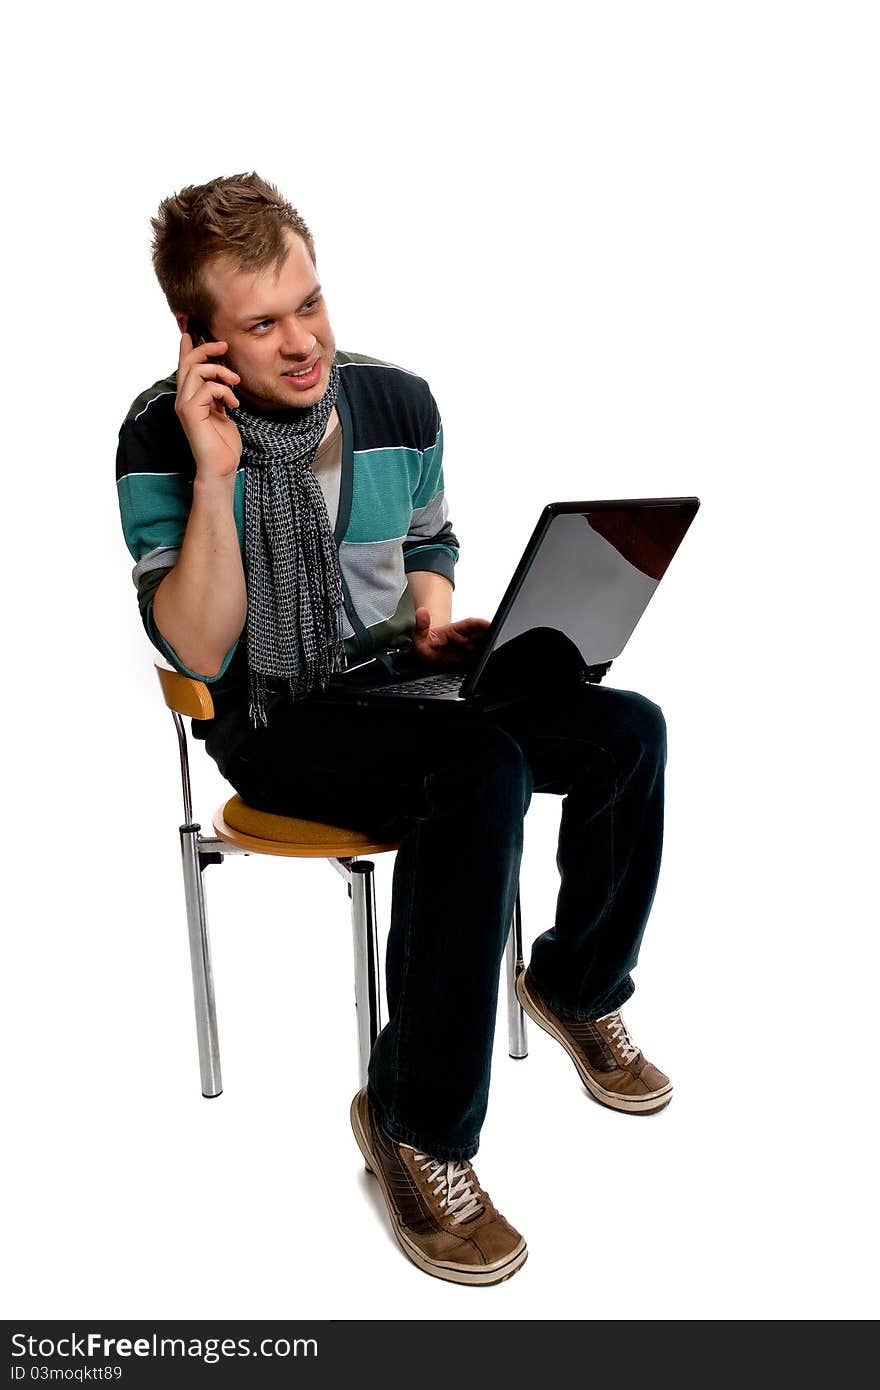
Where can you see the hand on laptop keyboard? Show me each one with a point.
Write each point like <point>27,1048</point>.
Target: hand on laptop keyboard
<point>450,645</point>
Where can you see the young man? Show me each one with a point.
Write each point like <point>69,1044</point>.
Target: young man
<point>285,507</point>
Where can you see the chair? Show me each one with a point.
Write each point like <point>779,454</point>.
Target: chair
<point>239,829</point>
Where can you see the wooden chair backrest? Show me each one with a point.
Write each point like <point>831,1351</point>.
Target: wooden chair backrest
<point>185,695</point>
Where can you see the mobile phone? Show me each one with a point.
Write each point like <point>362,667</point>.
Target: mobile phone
<point>197,331</point>
<point>200,333</point>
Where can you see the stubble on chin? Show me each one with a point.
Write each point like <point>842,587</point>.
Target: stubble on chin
<point>266,395</point>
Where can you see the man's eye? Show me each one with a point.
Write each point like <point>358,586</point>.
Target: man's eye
<point>312,303</point>
<point>263,323</point>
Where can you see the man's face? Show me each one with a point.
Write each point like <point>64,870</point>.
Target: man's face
<point>280,339</point>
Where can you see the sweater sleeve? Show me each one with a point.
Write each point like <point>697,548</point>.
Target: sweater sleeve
<point>430,543</point>
<point>154,478</point>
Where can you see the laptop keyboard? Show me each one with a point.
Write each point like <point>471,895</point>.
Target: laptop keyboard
<point>444,684</point>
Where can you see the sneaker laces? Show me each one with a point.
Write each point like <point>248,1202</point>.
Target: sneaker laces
<point>455,1181</point>
<point>620,1037</point>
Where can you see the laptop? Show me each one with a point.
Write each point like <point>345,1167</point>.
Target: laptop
<point>585,578</point>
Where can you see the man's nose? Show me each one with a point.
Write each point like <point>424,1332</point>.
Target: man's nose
<point>296,340</point>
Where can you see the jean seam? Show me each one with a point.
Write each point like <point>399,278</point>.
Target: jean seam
<point>404,969</point>
<point>580,1014</point>
<point>611,994</point>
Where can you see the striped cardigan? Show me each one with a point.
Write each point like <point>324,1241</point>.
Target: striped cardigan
<point>392,516</point>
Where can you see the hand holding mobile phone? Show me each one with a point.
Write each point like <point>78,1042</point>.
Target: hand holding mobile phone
<point>204,396</point>
<point>200,333</point>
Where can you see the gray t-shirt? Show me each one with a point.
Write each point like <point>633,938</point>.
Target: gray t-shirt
<point>327,468</point>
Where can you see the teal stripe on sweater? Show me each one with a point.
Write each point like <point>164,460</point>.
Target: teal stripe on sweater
<point>154,508</point>
<point>381,510</point>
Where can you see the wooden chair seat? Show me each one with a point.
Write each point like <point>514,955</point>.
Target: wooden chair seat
<point>260,832</point>
<point>263,832</point>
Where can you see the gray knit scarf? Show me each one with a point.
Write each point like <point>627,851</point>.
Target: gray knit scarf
<point>294,585</point>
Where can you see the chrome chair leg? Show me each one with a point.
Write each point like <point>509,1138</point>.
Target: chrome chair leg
<point>200,960</point>
<point>518,1044</point>
<point>366,960</point>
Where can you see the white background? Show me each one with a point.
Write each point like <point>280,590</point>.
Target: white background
<point>633,247</point>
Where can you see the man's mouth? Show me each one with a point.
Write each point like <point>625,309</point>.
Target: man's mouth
<point>304,376</point>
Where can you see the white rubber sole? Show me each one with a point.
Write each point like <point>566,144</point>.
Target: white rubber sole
<point>453,1273</point>
<point>631,1105</point>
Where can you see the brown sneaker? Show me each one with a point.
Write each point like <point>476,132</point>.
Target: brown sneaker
<point>441,1217</point>
<point>610,1065</point>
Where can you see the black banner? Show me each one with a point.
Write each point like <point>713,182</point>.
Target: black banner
<point>89,1351</point>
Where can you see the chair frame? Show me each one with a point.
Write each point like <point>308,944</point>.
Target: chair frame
<point>198,851</point>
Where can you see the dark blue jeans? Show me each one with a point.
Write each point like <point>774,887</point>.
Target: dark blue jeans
<point>453,788</point>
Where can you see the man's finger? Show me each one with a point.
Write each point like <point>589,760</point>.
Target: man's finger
<point>200,372</point>
<point>473,625</point>
<point>206,350</point>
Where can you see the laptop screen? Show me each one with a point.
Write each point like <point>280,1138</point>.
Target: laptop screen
<point>588,573</point>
